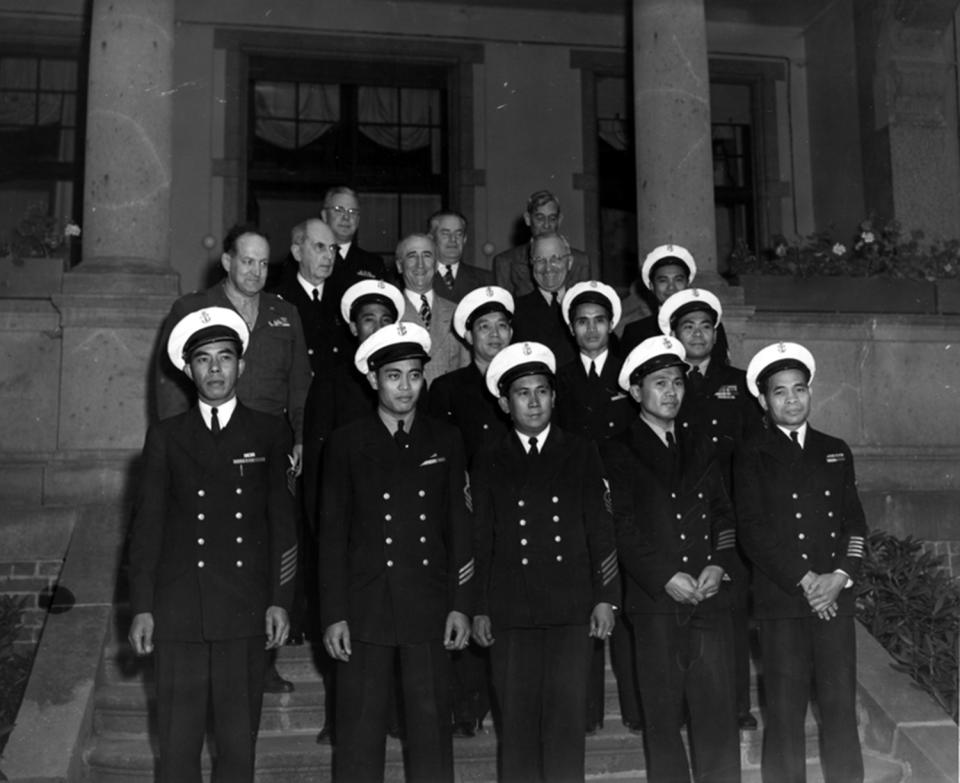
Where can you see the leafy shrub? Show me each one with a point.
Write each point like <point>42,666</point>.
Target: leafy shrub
<point>14,664</point>
<point>911,604</point>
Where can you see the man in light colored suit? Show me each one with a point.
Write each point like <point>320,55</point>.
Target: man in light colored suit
<point>416,259</point>
<point>454,278</point>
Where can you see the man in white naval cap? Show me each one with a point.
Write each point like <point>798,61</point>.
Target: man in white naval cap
<point>803,528</point>
<point>213,555</point>
<point>591,403</point>
<point>396,564</point>
<point>547,570</point>
<point>676,539</point>
<point>717,405</point>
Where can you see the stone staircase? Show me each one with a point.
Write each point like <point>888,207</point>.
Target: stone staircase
<point>121,749</point>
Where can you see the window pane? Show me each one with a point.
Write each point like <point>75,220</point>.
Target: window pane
<point>419,107</point>
<point>378,104</point>
<point>58,75</point>
<point>415,208</point>
<point>18,73</point>
<point>18,108</point>
<point>275,99</point>
<point>320,102</point>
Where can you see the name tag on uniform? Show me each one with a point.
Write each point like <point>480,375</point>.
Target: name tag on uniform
<point>620,396</point>
<point>248,458</point>
<point>838,457</point>
<point>281,321</point>
<point>728,392</point>
<point>433,459</point>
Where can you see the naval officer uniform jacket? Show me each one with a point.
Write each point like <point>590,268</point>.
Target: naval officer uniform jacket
<point>396,556</point>
<point>461,397</point>
<point>799,511</point>
<point>212,545</point>
<point>673,515</point>
<point>545,558</point>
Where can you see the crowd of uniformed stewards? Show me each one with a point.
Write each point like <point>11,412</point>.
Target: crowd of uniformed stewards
<point>580,468</point>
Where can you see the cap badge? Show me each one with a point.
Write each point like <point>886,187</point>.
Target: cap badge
<point>381,285</point>
<point>205,316</point>
<point>401,329</point>
<point>489,291</point>
<point>695,293</point>
<point>782,347</point>
<point>527,350</point>
<point>593,283</point>
<point>667,343</point>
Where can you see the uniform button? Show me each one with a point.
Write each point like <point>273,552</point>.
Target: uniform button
<point>833,534</point>
<point>700,495</point>
<point>559,558</point>
<point>422,493</point>
<point>201,493</point>
<point>336,349</point>
<point>833,554</point>
<point>709,557</point>
<point>523,523</point>
<point>799,515</point>
<point>826,492</point>
<point>239,564</point>
<point>683,536</point>
<point>714,438</point>
<point>556,518</point>
<point>388,517</point>
<point>555,499</point>
<point>200,564</point>
<point>201,541</point>
<point>426,562</point>
<point>830,514</point>
<point>389,564</point>
<point>557,539</point>
<point>611,424</point>
<point>706,538</point>
<point>386,496</point>
<point>239,491</point>
<point>804,555</point>
<point>389,540</point>
<point>703,516</point>
<point>239,539</point>
<point>794,496</point>
<point>714,422</point>
<point>423,517</point>
<point>520,503</point>
<point>685,558</point>
<point>523,542</point>
<point>423,539</point>
<point>524,561</point>
<point>309,351</point>
<point>239,515</point>
<point>486,426</point>
<point>679,516</point>
<point>201,517</point>
<point>686,424</point>
<point>801,536</point>
<point>673,495</point>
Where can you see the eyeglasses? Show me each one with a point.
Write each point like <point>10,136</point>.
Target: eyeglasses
<point>554,262</point>
<point>341,211</point>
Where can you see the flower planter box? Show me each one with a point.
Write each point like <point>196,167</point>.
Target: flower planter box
<point>30,278</point>
<point>845,294</point>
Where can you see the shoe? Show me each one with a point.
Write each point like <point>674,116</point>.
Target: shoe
<point>746,721</point>
<point>395,732</point>
<point>274,683</point>
<point>325,737</point>
<point>594,727</point>
<point>463,730</point>
<point>634,727</point>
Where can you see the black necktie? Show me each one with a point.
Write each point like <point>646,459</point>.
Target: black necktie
<point>795,437</point>
<point>401,437</point>
<point>214,422</point>
<point>671,442</point>
<point>425,311</point>
<point>592,375</point>
<point>316,296</point>
<point>448,276</point>
<point>695,378</point>
<point>534,451</point>
<point>554,300</point>
<point>339,255</point>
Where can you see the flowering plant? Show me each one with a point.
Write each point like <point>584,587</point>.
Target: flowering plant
<point>38,235</point>
<point>877,248</point>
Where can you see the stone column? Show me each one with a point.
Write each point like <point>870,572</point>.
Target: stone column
<point>112,304</point>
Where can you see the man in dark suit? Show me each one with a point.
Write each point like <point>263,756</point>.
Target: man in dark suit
<point>454,278</point>
<point>482,320</point>
<point>538,317</point>
<point>717,406</point>
<point>213,555</point>
<point>308,287</point>
<point>511,268</point>
<point>591,403</point>
<point>341,211</point>
<point>396,565</point>
<point>676,537</point>
<point>547,570</point>
<point>416,261</point>
<point>803,528</point>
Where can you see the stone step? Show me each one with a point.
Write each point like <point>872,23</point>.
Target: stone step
<point>295,757</point>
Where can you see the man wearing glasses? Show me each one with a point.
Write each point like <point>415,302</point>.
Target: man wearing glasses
<point>538,318</point>
<point>542,216</point>
<point>341,211</point>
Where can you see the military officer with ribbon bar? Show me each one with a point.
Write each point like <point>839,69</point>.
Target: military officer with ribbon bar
<point>213,555</point>
<point>717,406</point>
<point>676,539</point>
<point>396,564</point>
<point>802,526</point>
<point>547,570</point>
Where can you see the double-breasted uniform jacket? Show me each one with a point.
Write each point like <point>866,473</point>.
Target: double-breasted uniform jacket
<point>328,339</point>
<point>359,264</point>
<point>467,279</point>
<point>672,514</point>
<point>544,536</point>
<point>213,541</point>
<point>595,408</point>
<point>462,398</point>
<point>446,351</point>
<point>276,377</point>
<point>536,320</point>
<point>797,511</point>
<point>396,549</point>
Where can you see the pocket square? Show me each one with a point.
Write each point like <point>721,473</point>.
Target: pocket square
<point>433,459</point>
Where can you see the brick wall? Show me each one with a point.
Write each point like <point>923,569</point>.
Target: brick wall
<point>34,580</point>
